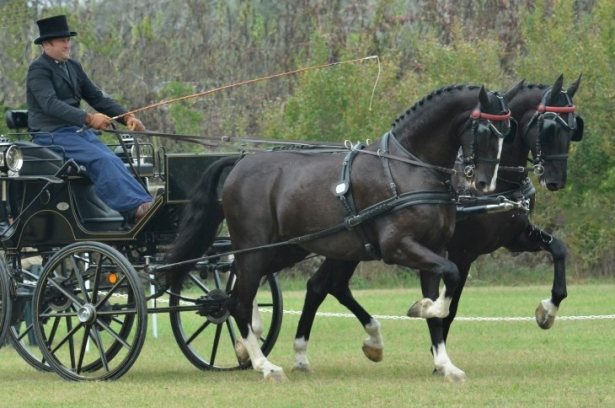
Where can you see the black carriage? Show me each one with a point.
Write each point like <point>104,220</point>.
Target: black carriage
<point>78,285</point>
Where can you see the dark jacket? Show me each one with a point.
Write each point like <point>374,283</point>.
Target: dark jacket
<point>54,99</point>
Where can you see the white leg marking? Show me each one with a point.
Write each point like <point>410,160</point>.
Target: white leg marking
<point>445,366</point>
<point>259,361</point>
<point>373,345</point>
<point>550,308</point>
<point>375,336</point>
<point>301,359</point>
<point>257,322</point>
<point>439,308</point>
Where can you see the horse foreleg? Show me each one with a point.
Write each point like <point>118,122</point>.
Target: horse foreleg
<point>464,261</point>
<point>437,266</point>
<point>429,309</point>
<point>548,308</point>
<point>534,240</point>
<point>443,364</point>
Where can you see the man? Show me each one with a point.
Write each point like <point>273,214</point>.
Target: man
<point>55,87</point>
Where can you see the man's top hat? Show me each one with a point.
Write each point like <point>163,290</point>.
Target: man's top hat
<point>53,27</point>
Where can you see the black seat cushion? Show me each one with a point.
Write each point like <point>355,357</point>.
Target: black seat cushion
<point>38,160</point>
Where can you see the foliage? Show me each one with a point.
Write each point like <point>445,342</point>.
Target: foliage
<point>159,49</point>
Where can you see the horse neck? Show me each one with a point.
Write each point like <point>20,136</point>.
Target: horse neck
<point>431,129</point>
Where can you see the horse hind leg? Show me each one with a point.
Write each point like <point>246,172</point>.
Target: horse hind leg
<point>373,345</point>
<point>241,307</point>
<point>257,327</point>
<point>333,278</point>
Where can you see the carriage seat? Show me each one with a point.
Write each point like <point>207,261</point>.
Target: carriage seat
<point>16,119</point>
<point>38,160</point>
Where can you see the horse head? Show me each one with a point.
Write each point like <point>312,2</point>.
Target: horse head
<point>489,126</point>
<point>549,133</point>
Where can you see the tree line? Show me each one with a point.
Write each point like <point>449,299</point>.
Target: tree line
<point>156,50</point>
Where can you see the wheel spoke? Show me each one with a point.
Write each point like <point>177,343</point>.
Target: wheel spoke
<point>198,282</point>
<point>95,335</point>
<point>113,334</point>
<point>214,348</point>
<point>79,277</point>
<point>197,332</point>
<point>82,351</point>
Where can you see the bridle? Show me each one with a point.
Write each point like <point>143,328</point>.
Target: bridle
<point>547,117</point>
<point>482,127</point>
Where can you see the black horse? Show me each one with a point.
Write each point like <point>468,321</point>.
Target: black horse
<point>548,124</point>
<point>391,200</point>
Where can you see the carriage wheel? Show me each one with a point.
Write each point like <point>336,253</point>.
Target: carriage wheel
<point>209,341</point>
<point>89,313</point>
<point>21,334</point>
<point>5,300</point>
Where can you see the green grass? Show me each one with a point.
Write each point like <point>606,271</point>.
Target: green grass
<point>508,363</point>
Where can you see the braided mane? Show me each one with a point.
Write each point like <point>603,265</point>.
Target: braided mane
<point>428,98</point>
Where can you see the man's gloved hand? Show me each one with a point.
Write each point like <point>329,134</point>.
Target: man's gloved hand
<point>134,124</point>
<point>97,121</point>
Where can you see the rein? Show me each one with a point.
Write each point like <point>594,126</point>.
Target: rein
<point>390,205</point>
<point>381,154</point>
<point>224,140</point>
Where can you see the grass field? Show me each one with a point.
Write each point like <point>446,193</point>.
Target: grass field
<point>508,363</point>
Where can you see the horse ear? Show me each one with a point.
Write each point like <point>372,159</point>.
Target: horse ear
<point>512,92</point>
<point>556,89</point>
<point>574,87</point>
<point>483,98</point>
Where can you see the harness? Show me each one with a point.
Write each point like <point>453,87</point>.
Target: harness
<point>356,219</point>
<point>545,113</point>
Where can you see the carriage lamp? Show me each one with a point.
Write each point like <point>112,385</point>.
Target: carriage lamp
<point>11,158</point>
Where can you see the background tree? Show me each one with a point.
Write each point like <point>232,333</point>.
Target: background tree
<point>158,50</point>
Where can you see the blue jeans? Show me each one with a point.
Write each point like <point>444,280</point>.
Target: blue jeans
<point>115,186</point>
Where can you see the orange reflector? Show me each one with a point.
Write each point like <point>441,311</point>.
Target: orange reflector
<point>112,278</point>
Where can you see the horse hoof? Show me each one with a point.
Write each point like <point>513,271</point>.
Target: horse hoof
<point>276,377</point>
<point>456,378</point>
<point>543,318</point>
<point>374,354</point>
<point>419,307</point>
<point>302,368</point>
<point>242,354</point>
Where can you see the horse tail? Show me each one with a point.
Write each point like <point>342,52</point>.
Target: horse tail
<point>200,221</point>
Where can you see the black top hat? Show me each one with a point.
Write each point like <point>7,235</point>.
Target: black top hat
<point>53,27</point>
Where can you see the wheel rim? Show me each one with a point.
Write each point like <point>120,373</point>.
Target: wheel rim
<point>89,313</point>
<point>209,343</point>
<point>5,300</point>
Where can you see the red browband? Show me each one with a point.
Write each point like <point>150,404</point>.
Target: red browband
<point>478,114</point>
<point>556,109</point>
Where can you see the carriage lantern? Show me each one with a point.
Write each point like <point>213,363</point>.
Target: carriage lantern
<point>11,157</point>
